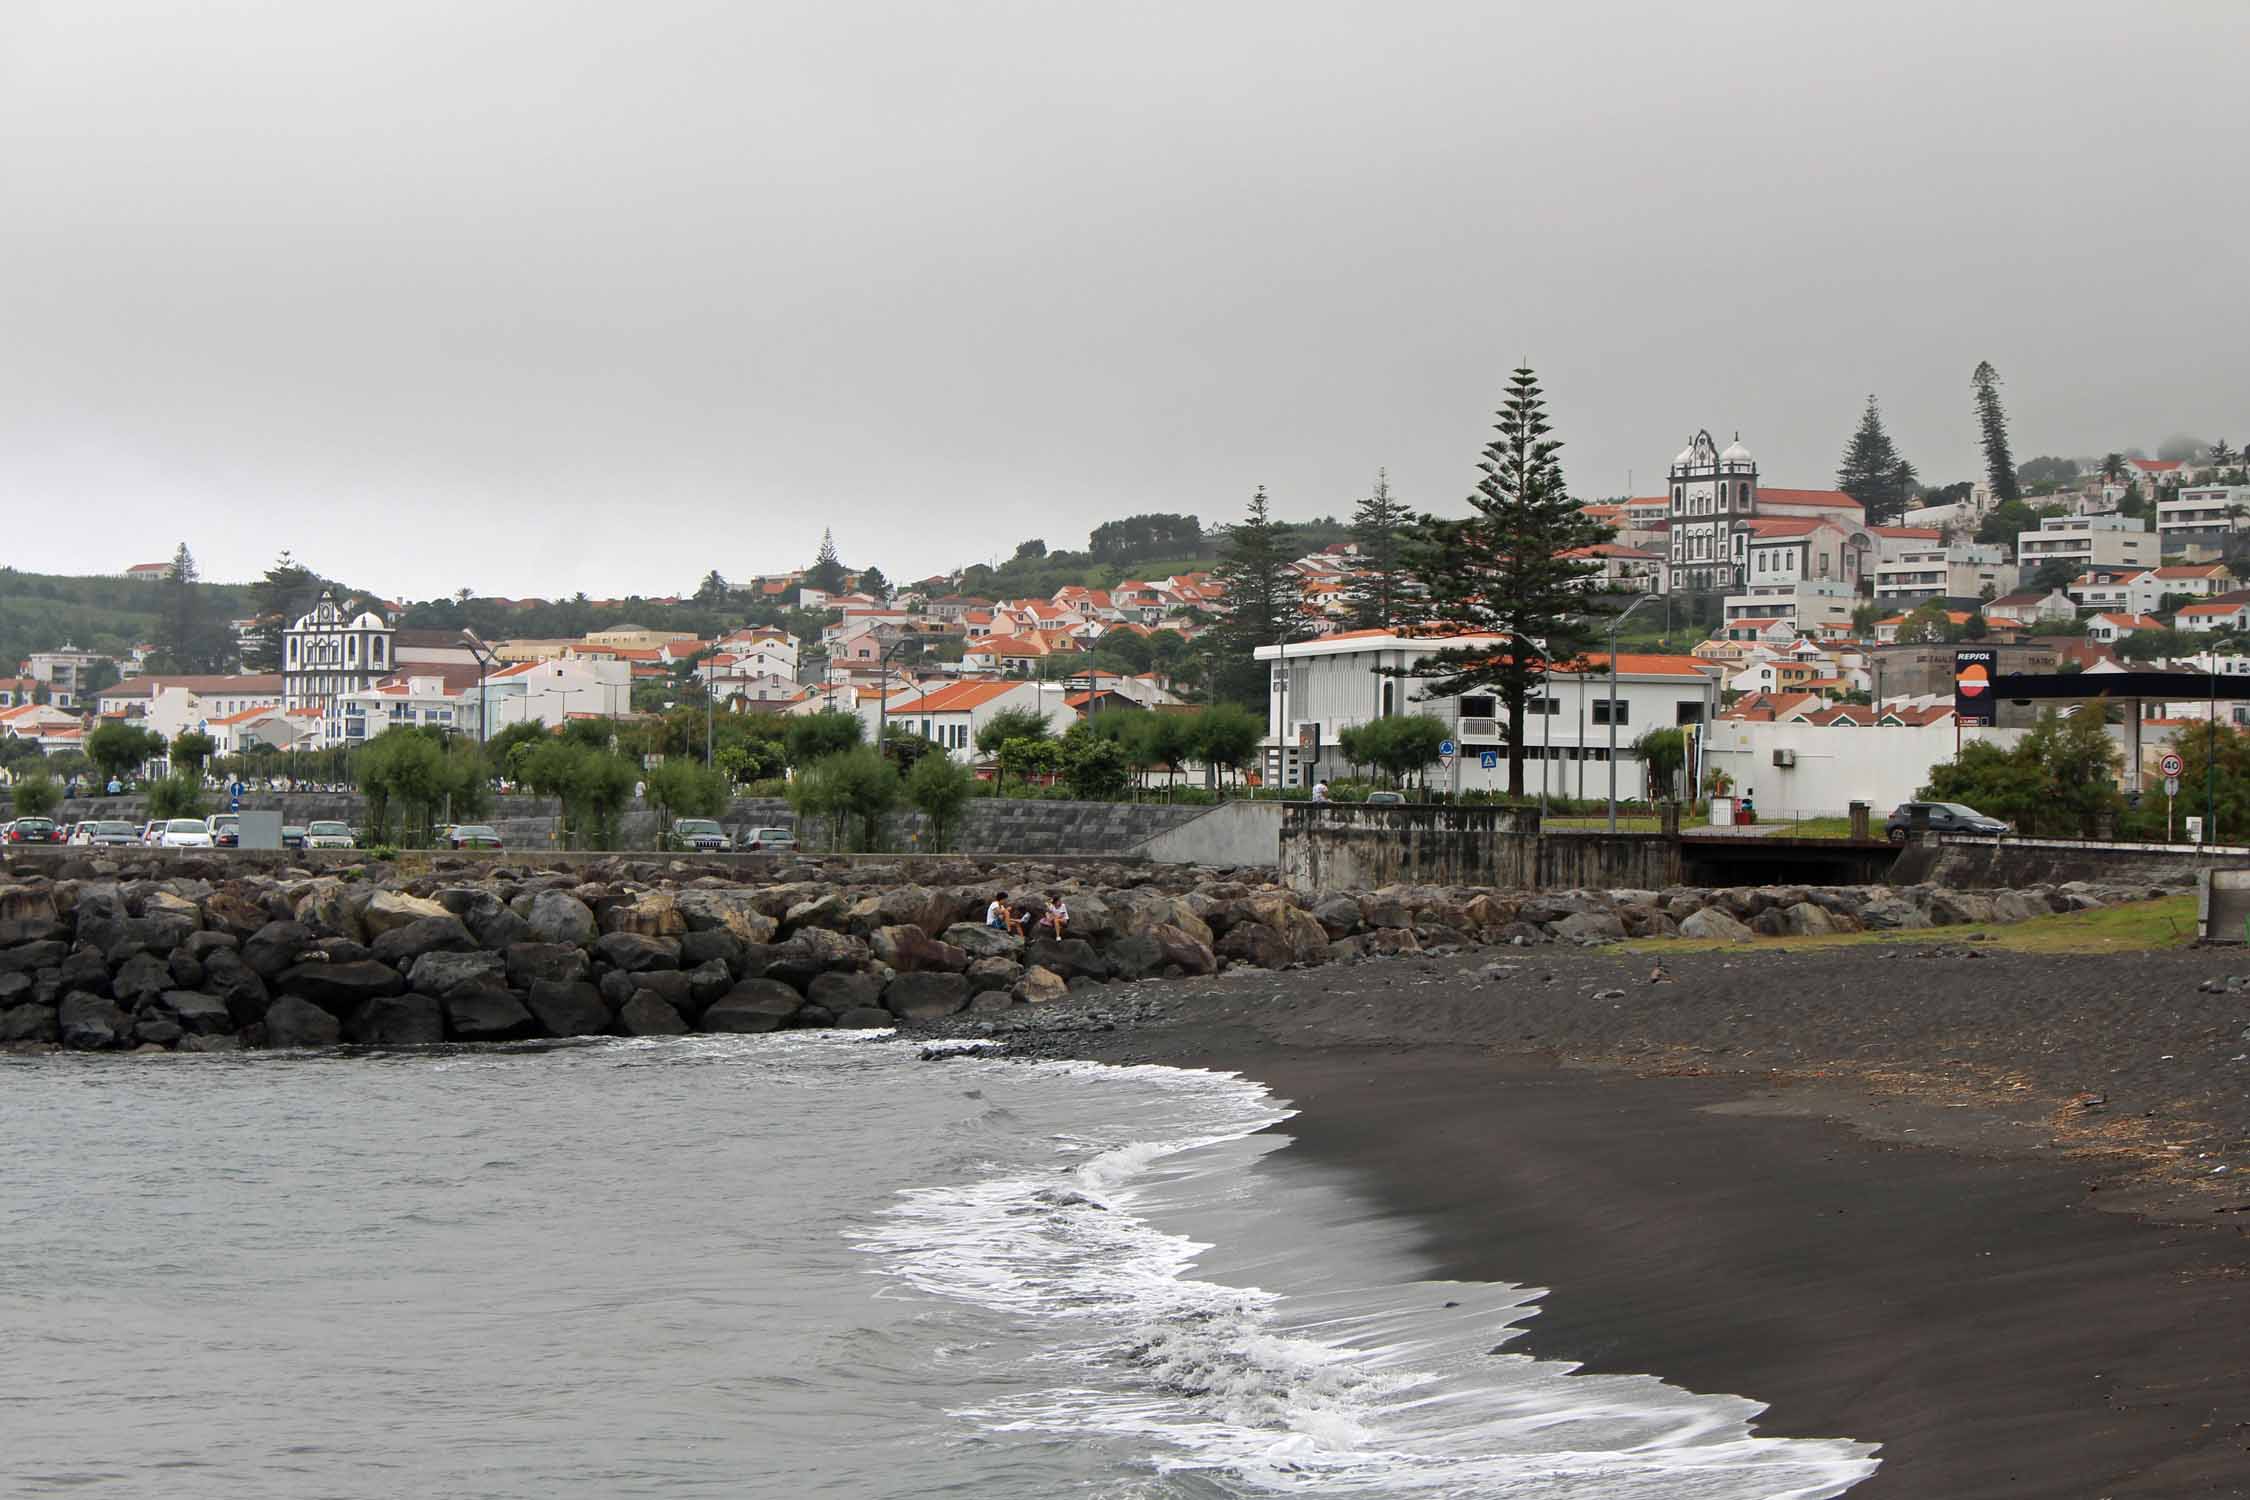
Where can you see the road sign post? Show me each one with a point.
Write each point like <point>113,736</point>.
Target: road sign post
<point>1449,753</point>
<point>2171,790</point>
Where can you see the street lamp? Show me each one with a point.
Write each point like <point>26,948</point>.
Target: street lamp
<point>485,661</point>
<point>883,687</point>
<point>1615,621</point>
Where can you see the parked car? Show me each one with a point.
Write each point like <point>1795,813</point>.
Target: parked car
<point>185,833</point>
<point>1945,817</point>
<point>106,831</point>
<point>225,828</point>
<point>326,835</point>
<point>292,837</point>
<point>152,831</point>
<point>33,831</point>
<point>701,834</point>
<point>769,840</point>
<point>472,836</point>
<point>1386,799</point>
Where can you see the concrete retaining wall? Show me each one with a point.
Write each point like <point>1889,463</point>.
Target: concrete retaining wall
<point>1608,861</point>
<point>2009,863</point>
<point>1233,833</point>
<point>1333,846</point>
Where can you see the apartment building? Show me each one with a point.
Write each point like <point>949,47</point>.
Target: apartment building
<point>1940,570</point>
<point>2087,542</point>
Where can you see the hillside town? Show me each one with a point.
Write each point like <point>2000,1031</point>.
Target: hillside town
<point>1772,612</point>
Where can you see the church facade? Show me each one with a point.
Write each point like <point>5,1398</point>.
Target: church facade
<point>330,651</point>
<point>1728,532</point>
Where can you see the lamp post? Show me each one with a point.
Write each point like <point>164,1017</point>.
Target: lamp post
<point>1615,621</point>
<point>883,685</point>
<point>485,659</point>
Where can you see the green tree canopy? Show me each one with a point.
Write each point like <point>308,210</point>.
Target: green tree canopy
<point>1992,422</point>
<point>854,790</point>
<point>1508,569</point>
<point>34,794</point>
<point>1380,588</point>
<point>119,749</point>
<point>940,787</point>
<point>1873,472</point>
<point>191,751</point>
<point>815,737</point>
<point>2059,779</point>
<point>1265,603</point>
<point>679,788</point>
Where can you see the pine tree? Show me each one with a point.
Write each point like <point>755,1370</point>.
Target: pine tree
<point>1264,602</point>
<point>1505,570</point>
<point>874,584</point>
<point>1999,464</point>
<point>286,591</point>
<point>1380,587</point>
<point>1873,473</point>
<point>186,637</point>
<point>827,571</point>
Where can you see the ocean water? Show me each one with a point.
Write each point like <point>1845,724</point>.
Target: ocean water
<point>800,1265</point>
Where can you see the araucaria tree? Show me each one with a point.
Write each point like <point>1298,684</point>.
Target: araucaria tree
<point>1265,603</point>
<point>827,571</point>
<point>1506,570</point>
<point>1379,588</point>
<point>1873,473</point>
<point>1999,465</point>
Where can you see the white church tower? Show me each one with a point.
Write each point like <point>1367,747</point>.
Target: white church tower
<point>1714,495</point>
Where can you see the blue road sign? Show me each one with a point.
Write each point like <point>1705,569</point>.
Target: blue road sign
<point>1490,760</point>
<point>1447,748</point>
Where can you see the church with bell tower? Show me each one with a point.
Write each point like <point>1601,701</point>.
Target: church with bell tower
<point>1714,495</point>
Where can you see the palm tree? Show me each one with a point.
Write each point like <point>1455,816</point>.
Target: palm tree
<point>2113,467</point>
<point>2222,456</point>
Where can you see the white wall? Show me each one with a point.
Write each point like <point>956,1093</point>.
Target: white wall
<point>1836,767</point>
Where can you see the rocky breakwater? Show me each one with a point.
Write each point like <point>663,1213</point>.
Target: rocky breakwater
<point>198,962</point>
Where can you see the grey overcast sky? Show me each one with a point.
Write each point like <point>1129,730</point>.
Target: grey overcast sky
<point>535,296</point>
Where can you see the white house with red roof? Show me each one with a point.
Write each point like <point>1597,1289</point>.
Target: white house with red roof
<point>952,714</point>
<point>2109,627</point>
<point>555,691</point>
<point>2208,615</point>
<point>2028,608</point>
<point>1319,688</point>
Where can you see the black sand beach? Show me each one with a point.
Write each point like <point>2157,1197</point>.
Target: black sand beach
<point>1866,1187</point>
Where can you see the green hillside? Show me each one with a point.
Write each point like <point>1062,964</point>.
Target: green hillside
<point>41,611</point>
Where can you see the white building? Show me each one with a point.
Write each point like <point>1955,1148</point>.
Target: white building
<point>1817,607</point>
<point>1942,570</point>
<point>402,702</point>
<point>952,715</point>
<point>553,692</point>
<point>171,706</point>
<point>329,650</point>
<point>2030,608</point>
<point>65,673</point>
<point>2086,542</point>
<point>2216,614</point>
<point>1317,689</point>
<point>1716,505</point>
<point>2206,514</point>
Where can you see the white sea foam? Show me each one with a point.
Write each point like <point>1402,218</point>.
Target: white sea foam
<point>1307,1381</point>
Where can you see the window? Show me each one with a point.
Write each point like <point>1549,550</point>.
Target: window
<point>1479,706</point>
<point>1688,711</point>
<point>1601,707</point>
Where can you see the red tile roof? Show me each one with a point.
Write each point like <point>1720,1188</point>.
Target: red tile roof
<point>956,698</point>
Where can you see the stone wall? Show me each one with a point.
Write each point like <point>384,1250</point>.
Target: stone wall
<point>1329,846</point>
<point>2003,863</point>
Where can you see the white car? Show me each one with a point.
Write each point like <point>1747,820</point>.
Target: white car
<point>184,833</point>
<point>325,835</point>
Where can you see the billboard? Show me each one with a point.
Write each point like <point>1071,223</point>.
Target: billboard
<point>1974,667</point>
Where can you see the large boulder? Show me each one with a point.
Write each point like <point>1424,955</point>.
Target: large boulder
<point>1882,911</point>
<point>397,1021</point>
<point>527,963</point>
<point>234,911</point>
<point>89,1022</point>
<point>391,909</point>
<point>28,914</point>
<point>559,917</point>
<point>840,990</point>
<point>908,949</point>
<point>650,1014</point>
<point>1338,916</point>
<point>234,981</point>
<point>337,907</point>
<point>1182,950</point>
<point>635,952</point>
<point>1073,958</point>
<point>730,911</point>
<point>711,946</point>
<point>2019,906</point>
<point>925,997</point>
<point>488,1014</point>
<point>990,974</point>
<point>293,1022</point>
<point>1257,944</point>
<point>1800,919</point>
<point>31,1023</point>
<point>568,1007</point>
<point>340,988</point>
<point>865,1018</point>
<point>1041,986</point>
<point>980,941</point>
<point>1135,956</point>
<point>276,946</point>
<point>402,945</point>
<point>204,1015</point>
<point>648,914</point>
<point>142,977</point>
<point>753,1005</point>
<point>829,910</point>
<point>1589,927</point>
<point>443,974</point>
<point>1712,925</point>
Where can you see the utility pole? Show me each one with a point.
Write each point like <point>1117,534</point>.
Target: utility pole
<point>1615,621</point>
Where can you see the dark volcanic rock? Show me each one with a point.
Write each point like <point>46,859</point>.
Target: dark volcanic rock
<point>711,945</point>
<point>1135,957</point>
<point>1072,958</point>
<point>634,953</point>
<point>144,976</point>
<point>649,1014</point>
<point>34,1023</point>
<point>559,917</point>
<point>24,958</point>
<point>487,1015</point>
<point>865,1018</point>
<point>295,1022</point>
<point>925,997</point>
<point>841,992</point>
<point>401,946</point>
<point>337,988</point>
<point>397,1021</point>
<point>276,946</point>
<point>232,980</point>
<point>89,1022</point>
<point>446,973</point>
<point>530,962</point>
<point>568,1007</point>
<point>84,970</point>
<point>1256,943</point>
<point>753,1005</point>
<point>204,1015</point>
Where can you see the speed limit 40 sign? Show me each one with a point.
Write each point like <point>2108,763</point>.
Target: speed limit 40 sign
<point>2171,764</point>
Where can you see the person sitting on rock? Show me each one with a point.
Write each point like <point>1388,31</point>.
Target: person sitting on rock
<point>1057,915</point>
<point>999,914</point>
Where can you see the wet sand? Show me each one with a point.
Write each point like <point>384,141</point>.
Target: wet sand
<point>1870,1225</point>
